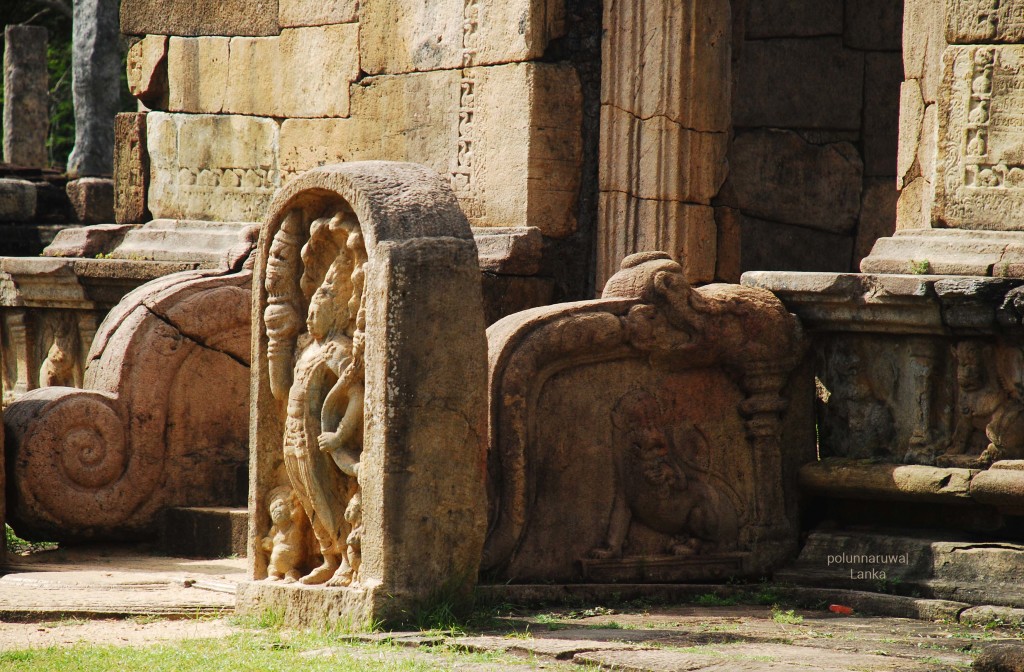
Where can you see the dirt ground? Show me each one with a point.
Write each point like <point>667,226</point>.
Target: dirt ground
<point>125,596</point>
<point>136,631</point>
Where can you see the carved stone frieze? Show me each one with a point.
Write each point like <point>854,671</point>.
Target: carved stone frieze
<point>980,161</point>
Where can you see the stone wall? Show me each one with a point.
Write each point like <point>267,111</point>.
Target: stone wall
<point>815,109</point>
<point>792,167</point>
<point>245,96</point>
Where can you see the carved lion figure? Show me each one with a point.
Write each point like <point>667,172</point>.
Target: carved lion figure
<point>656,487</point>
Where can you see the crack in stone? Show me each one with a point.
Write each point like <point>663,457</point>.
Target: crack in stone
<point>655,200</point>
<point>194,339</point>
<point>666,117</point>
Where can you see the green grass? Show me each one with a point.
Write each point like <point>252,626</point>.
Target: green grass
<point>787,617</point>
<point>712,600</point>
<point>271,650</point>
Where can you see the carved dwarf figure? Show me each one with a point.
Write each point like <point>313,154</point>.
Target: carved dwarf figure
<point>990,419</point>
<point>286,541</point>
<point>654,488</point>
<point>858,422</point>
<point>354,517</point>
<point>58,369</point>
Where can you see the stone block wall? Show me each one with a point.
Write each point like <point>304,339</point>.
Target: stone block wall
<point>812,163</point>
<point>245,96</point>
<point>791,167</point>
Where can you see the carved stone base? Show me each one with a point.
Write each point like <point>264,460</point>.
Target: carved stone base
<point>667,568</point>
<point>314,606</point>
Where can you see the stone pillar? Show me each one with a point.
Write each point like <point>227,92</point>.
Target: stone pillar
<point>26,84</point>
<point>924,40</point>
<point>665,118</point>
<point>961,147</point>
<point>96,82</point>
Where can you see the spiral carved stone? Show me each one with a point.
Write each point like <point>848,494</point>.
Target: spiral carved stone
<point>72,472</point>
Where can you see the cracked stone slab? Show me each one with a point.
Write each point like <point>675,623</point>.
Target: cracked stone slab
<point>748,658</point>
<point>564,648</point>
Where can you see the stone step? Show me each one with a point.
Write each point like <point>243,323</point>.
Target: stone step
<point>1001,486</point>
<point>950,567</point>
<point>205,531</point>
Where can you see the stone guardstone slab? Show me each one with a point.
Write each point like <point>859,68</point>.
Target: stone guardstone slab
<point>367,494</point>
<point>980,162</point>
<point>638,437</point>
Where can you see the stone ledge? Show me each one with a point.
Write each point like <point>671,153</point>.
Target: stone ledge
<point>853,479</point>
<point>949,252</point>
<point>905,304</point>
<point>311,606</point>
<point>509,250</point>
<point>167,240</point>
<point>77,283</point>
<point>1001,486</point>
<point>951,567</point>
<point>205,532</point>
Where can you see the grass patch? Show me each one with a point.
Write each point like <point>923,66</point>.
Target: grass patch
<point>787,617</point>
<point>712,600</point>
<point>279,651</point>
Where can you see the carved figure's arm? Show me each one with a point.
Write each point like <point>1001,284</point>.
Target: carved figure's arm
<point>267,543</point>
<point>336,442</point>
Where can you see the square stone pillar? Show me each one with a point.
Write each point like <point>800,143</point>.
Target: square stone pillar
<point>26,96</point>
<point>665,121</point>
<point>961,147</point>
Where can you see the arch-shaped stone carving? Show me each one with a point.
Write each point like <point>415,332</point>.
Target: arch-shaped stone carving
<point>369,394</point>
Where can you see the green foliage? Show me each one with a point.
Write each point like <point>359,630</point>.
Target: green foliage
<point>19,546</point>
<point>788,617</point>
<point>712,600</point>
<point>244,652</point>
<point>922,267</point>
<point>61,138</point>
